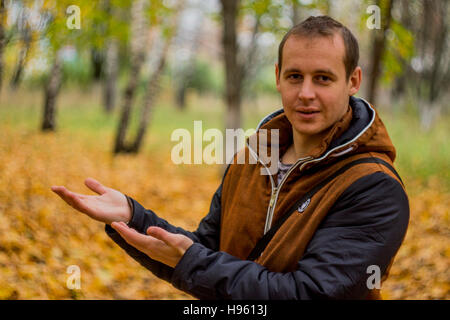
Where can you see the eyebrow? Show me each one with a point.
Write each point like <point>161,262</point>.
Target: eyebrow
<point>326,71</point>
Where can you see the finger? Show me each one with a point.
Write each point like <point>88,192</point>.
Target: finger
<point>130,235</point>
<point>61,190</point>
<point>95,186</point>
<point>72,198</point>
<point>163,235</point>
<point>126,226</point>
<point>63,193</point>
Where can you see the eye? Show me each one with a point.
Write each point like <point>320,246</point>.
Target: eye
<point>294,77</point>
<point>323,78</point>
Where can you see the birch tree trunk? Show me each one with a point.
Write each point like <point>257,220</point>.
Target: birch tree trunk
<point>22,58</point>
<point>154,86</point>
<point>51,93</point>
<point>151,94</point>
<point>110,78</point>
<point>138,37</point>
<point>378,48</point>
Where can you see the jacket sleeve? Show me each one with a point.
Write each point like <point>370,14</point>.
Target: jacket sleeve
<point>366,227</point>
<point>207,233</point>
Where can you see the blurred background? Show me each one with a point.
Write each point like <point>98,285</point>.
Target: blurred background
<point>95,89</point>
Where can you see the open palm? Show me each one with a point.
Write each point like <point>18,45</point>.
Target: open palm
<point>109,206</point>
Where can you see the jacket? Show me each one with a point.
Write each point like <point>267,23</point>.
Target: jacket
<point>356,220</point>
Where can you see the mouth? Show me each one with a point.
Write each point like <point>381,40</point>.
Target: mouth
<point>306,113</point>
<point>307,110</point>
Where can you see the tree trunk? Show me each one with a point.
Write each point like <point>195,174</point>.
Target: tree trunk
<point>151,94</point>
<point>433,78</point>
<point>439,46</point>
<point>232,68</point>
<point>51,93</point>
<point>120,144</point>
<point>249,64</point>
<point>187,72</point>
<point>295,15</point>
<point>138,34</point>
<point>21,59</point>
<point>97,63</point>
<point>110,78</point>
<point>378,48</point>
<point>180,96</point>
<point>189,38</point>
<point>154,87</point>
<point>401,81</point>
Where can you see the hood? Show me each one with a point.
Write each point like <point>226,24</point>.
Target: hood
<point>360,130</point>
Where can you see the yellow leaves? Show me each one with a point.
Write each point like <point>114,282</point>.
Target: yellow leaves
<point>7,292</point>
<point>421,267</point>
<point>40,236</point>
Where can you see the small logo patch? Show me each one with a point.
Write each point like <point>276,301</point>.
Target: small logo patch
<point>304,205</point>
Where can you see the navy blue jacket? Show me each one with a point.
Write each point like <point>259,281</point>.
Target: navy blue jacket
<point>334,265</point>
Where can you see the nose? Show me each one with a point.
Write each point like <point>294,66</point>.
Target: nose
<point>306,91</point>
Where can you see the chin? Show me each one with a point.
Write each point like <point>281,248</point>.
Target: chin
<point>307,130</point>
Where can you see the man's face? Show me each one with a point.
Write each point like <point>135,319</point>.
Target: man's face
<point>313,85</point>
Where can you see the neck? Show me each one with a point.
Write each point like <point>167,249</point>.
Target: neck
<point>301,147</point>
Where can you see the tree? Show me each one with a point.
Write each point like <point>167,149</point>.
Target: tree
<point>24,52</point>
<point>422,36</point>
<point>233,71</point>
<point>378,47</point>
<point>55,31</point>
<point>242,62</point>
<point>138,44</point>
<point>187,39</point>
<point>111,56</point>
<point>153,88</point>
<point>401,81</point>
<point>433,63</point>
<point>110,70</point>
<point>51,92</point>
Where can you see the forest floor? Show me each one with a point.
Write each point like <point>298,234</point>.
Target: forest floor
<point>41,237</point>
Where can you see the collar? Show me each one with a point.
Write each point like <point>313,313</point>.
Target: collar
<point>340,139</point>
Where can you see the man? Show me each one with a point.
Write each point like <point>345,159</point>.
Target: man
<point>335,211</point>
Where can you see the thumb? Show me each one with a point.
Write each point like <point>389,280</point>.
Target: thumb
<point>95,186</point>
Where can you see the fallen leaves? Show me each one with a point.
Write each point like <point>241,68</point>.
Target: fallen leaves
<point>40,236</point>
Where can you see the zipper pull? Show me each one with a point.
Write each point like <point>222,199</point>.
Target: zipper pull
<point>272,198</point>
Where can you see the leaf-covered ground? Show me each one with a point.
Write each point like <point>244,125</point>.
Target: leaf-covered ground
<point>40,236</point>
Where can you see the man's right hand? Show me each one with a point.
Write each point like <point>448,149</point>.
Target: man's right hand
<point>109,206</point>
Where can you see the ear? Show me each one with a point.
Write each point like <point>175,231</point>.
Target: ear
<point>277,76</point>
<point>355,81</point>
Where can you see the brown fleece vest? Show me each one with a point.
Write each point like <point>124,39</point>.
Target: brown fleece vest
<point>246,195</point>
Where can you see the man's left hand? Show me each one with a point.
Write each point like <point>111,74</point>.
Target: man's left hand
<point>159,244</point>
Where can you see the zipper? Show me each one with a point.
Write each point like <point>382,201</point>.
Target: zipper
<point>275,189</point>
<point>303,162</point>
<point>269,214</point>
<point>272,184</point>
<point>276,192</point>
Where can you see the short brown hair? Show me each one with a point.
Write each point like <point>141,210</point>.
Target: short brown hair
<point>325,26</point>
